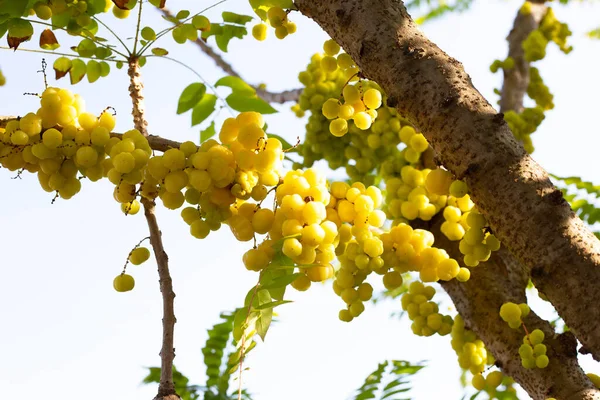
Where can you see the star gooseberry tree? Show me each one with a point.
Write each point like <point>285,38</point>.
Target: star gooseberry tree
<point>441,189</point>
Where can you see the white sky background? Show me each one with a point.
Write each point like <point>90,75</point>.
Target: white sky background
<point>66,334</point>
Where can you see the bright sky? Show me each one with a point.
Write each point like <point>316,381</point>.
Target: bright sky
<point>68,335</point>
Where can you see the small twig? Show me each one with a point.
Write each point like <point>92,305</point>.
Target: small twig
<point>55,53</point>
<point>113,33</point>
<point>211,87</point>
<point>43,71</point>
<point>129,255</point>
<point>137,29</point>
<point>169,29</point>
<point>271,97</point>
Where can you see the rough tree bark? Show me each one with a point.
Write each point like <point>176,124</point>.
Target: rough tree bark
<point>503,278</point>
<point>516,79</point>
<point>526,212</point>
<point>166,387</point>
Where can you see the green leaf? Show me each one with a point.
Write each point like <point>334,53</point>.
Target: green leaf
<point>236,18</point>
<point>159,51</point>
<point>272,304</point>
<point>190,97</point>
<point>237,85</point>
<point>3,29</point>
<point>263,322</point>
<point>153,375</point>
<point>13,8</point>
<point>281,281</point>
<point>246,103</point>
<point>228,32</point>
<point>104,69</point>
<point>207,133</point>
<point>77,71</point>
<point>203,109</point>
<point>183,14</point>
<point>93,71</point>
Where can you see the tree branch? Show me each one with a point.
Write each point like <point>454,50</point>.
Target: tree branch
<point>271,97</point>
<point>524,209</point>
<point>499,280</point>
<point>166,387</point>
<point>516,79</point>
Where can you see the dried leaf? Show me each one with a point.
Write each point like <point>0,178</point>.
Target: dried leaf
<point>62,66</point>
<point>48,40</point>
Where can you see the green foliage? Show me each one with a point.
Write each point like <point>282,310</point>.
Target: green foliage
<point>203,109</point>
<point>182,386</point>
<point>207,133</point>
<point>243,96</point>
<point>202,104</point>
<point>218,376</point>
<point>391,378</point>
<point>190,97</point>
<point>233,26</point>
<point>434,9</point>
<point>583,197</point>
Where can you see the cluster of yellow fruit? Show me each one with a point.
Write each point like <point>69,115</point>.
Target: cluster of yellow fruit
<point>532,351</point>
<point>466,224</point>
<point>423,312</point>
<point>277,17</point>
<point>305,224</point>
<point>125,282</point>
<point>471,352</point>
<point>489,383</point>
<point>219,177</point>
<point>407,249</point>
<point>408,198</point>
<point>356,211</point>
<point>362,143</point>
<point>58,142</point>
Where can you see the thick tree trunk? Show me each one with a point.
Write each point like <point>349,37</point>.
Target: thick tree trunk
<point>499,280</point>
<point>526,212</point>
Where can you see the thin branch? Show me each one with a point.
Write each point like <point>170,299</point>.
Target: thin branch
<point>211,87</point>
<point>166,388</point>
<point>169,29</point>
<point>137,29</point>
<point>271,97</point>
<point>113,33</point>
<point>54,53</point>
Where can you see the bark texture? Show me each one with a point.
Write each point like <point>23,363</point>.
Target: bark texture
<point>166,387</point>
<point>516,79</point>
<point>526,212</point>
<point>503,278</point>
<point>499,280</point>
